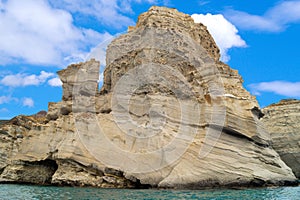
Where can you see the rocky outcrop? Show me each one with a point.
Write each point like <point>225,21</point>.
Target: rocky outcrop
<point>169,115</point>
<point>283,122</point>
<point>80,79</point>
<point>3,121</point>
<point>12,133</point>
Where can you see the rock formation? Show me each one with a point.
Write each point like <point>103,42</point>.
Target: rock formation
<point>169,115</point>
<point>283,122</point>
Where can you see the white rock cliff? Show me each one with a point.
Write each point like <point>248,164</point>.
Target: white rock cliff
<point>283,122</point>
<point>169,115</point>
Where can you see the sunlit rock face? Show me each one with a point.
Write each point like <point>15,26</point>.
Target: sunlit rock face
<point>169,115</point>
<point>283,122</point>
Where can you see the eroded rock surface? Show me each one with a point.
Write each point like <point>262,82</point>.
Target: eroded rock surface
<point>283,122</point>
<point>169,115</point>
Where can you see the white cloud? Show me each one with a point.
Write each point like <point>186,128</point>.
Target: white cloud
<point>28,102</point>
<point>101,77</point>
<point>275,19</point>
<point>107,12</point>
<point>284,88</point>
<point>5,99</point>
<point>55,82</point>
<point>3,110</point>
<point>17,80</point>
<point>99,52</point>
<point>224,33</point>
<point>202,2</point>
<point>34,32</point>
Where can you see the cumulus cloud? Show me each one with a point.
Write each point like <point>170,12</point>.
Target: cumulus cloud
<point>275,19</point>
<point>43,32</point>
<point>3,110</point>
<point>17,80</point>
<point>107,12</point>
<point>224,33</point>
<point>34,32</point>
<point>284,88</point>
<point>28,102</point>
<point>5,99</point>
<point>55,82</point>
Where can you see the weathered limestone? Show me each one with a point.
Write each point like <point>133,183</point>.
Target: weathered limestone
<point>169,115</point>
<point>80,79</point>
<point>283,122</point>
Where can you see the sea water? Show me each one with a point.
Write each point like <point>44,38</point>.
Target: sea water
<point>28,192</point>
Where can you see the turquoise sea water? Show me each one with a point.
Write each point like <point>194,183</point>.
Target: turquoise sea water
<point>28,192</point>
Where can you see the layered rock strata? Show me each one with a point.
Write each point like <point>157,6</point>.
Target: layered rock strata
<point>283,122</point>
<point>169,115</point>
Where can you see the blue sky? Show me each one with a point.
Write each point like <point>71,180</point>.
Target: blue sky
<point>39,37</point>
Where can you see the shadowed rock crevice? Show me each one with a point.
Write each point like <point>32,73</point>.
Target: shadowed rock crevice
<point>234,133</point>
<point>237,184</point>
<point>36,172</point>
<point>257,112</point>
<point>73,173</point>
<point>1,170</point>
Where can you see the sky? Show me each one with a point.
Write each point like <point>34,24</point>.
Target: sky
<point>40,37</point>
